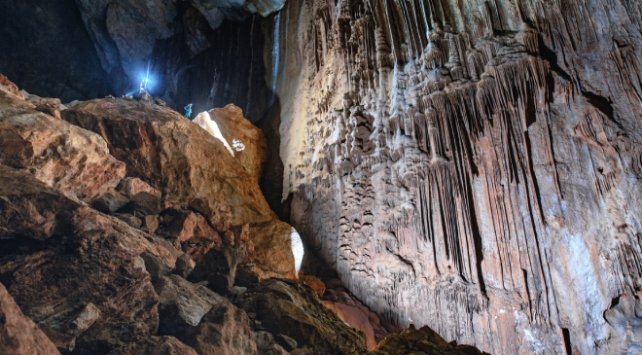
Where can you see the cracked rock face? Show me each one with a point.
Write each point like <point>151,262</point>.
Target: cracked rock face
<point>471,166</point>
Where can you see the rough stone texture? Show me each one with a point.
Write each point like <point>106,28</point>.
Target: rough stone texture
<point>66,157</point>
<point>282,307</point>
<point>247,140</point>
<point>352,312</point>
<point>472,166</point>
<point>203,319</point>
<point>18,334</point>
<point>191,168</point>
<point>99,284</point>
<point>422,341</point>
<point>165,345</point>
<point>86,286</point>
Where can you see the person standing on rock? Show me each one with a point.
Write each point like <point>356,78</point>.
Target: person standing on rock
<point>188,111</point>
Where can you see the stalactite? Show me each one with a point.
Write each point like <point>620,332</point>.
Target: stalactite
<point>490,156</point>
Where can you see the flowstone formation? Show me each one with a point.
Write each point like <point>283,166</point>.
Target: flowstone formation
<point>472,166</point>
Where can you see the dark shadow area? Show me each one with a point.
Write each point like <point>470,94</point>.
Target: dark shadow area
<point>45,49</point>
<point>229,71</point>
<point>272,179</point>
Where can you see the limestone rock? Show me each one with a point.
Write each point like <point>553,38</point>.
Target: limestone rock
<point>247,140</point>
<point>71,159</point>
<point>89,276</point>
<point>191,168</point>
<point>422,341</point>
<point>472,166</point>
<point>203,319</point>
<point>29,210</point>
<point>286,308</point>
<point>165,345</point>
<point>18,334</point>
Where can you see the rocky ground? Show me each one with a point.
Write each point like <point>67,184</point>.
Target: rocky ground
<point>127,229</point>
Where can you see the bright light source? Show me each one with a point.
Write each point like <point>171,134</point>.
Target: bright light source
<point>147,81</point>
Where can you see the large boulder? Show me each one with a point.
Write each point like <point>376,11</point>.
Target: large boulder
<point>246,139</point>
<point>294,314</point>
<point>18,334</point>
<point>66,157</point>
<point>192,169</point>
<point>203,319</point>
<point>86,286</point>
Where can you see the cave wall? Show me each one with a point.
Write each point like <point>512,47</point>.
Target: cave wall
<point>472,166</point>
<point>45,48</point>
<point>206,52</point>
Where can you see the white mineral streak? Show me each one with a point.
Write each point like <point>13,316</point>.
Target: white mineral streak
<point>206,122</point>
<point>297,249</point>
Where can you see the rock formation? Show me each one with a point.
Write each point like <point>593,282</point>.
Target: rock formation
<point>125,228</point>
<point>471,166</point>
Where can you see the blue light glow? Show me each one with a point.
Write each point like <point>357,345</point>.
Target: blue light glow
<point>146,81</point>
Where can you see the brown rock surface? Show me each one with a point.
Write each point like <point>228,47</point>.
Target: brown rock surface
<point>165,345</point>
<point>98,284</point>
<point>86,286</point>
<point>247,140</point>
<point>283,307</point>
<point>71,159</point>
<point>203,319</point>
<point>18,334</point>
<point>473,166</point>
<point>422,341</point>
<point>191,168</point>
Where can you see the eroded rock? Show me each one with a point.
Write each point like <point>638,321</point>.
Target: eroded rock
<point>191,168</point>
<point>469,166</point>
<point>283,307</point>
<point>66,157</point>
<point>18,334</point>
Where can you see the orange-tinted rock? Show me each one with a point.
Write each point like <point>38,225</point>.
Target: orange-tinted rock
<point>247,141</point>
<point>71,159</point>
<point>18,334</point>
<point>185,225</point>
<point>191,168</point>
<point>314,283</point>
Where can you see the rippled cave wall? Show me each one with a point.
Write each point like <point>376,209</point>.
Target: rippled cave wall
<point>474,166</point>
